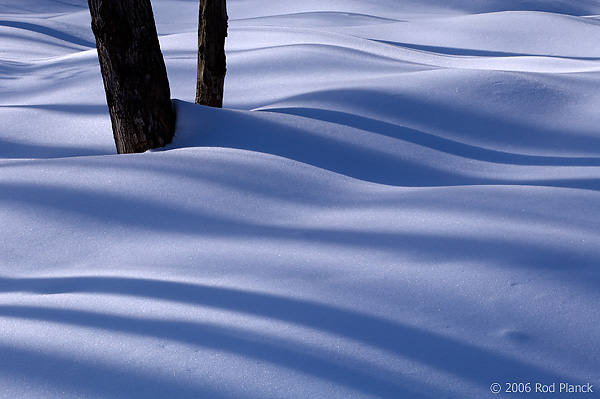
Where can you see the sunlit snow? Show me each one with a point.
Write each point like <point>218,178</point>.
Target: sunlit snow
<point>400,199</point>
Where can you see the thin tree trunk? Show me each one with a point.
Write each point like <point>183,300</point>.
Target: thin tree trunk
<point>212,31</point>
<point>134,74</point>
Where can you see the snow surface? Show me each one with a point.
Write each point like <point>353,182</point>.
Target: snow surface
<point>400,199</point>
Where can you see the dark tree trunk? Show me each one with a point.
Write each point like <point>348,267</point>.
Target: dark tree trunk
<point>134,74</point>
<point>212,30</point>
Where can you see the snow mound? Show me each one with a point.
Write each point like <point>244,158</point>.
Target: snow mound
<point>399,200</point>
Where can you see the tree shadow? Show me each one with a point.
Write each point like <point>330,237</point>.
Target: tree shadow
<point>456,125</point>
<point>63,374</point>
<point>16,150</point>
<point>57,6</point>
<point>250,131</point>
<point>314,19</point>
<point>462,360</point>
<point>47,31</point>
<point>148,215</point>
<point>288,354</point>
<point>66,108</point>
<point>351,153</point>
<point>467,52</point>
<point>435,142</point>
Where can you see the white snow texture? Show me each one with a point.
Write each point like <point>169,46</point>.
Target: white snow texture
<point>399,199</point>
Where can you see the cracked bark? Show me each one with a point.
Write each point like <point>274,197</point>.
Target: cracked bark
<point>212,31</point>
<point>134,74</point>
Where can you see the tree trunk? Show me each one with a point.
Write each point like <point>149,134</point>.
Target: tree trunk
<point>212,30</point>
<point>134,74</point>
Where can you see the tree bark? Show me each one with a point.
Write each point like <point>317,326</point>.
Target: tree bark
<point>134,74</point>
<point>212,31</point>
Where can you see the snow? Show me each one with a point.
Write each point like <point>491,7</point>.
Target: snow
<point>398,200</point>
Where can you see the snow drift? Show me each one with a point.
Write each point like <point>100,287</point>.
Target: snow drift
<point>399,200</point>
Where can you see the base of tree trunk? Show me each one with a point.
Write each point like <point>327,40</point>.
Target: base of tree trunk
<point>134,74</point>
